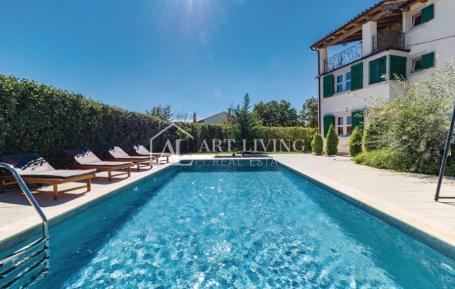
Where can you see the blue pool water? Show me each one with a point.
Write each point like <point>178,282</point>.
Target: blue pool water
<point>206,227</point>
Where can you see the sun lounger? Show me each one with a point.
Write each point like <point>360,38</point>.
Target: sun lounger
<point>34,169</point>
<point>85,159</point>
<point>118,154</point>
<point>140,150</point>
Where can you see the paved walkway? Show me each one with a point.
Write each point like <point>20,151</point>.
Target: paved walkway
<point>407,197</point>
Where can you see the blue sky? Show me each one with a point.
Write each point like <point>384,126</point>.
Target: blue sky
<point>196,55</point>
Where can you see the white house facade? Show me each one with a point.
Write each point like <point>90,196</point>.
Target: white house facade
<point>392,39</point>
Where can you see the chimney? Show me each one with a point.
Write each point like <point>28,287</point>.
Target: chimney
<point>194,117</point>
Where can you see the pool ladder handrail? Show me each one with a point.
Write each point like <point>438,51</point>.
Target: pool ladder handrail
<point>14,262</point>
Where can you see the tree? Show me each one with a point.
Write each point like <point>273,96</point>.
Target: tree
<point>182,116</point>
<point>161,112</point>
<point>274,113</point>
<point>317,144</point>
<point>355,142</point>
<point>309,113</point>
<point>331,146</point>
<point>243,119</point>
<point>373,135</point>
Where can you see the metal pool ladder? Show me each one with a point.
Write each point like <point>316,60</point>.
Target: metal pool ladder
<point>23,266</point>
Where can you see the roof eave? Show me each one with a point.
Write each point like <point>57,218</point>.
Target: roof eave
<point>355,24</point>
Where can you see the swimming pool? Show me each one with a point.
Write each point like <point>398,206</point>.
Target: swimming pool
<point>236,226</point>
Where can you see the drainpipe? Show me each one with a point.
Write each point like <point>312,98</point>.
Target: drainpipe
<point>319,89</point>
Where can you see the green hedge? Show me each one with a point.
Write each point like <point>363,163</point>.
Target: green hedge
<point>288,133</point>
<point>45,120</point>
<point>208,132</point>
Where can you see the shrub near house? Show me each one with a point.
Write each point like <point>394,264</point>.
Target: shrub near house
<point>355,142</point>
<point>331,142</point>
<point>317,144</point>
<point>409,132</point>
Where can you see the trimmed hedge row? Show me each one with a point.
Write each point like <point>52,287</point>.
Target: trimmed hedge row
<point>208,132</point>
<point>45,120</point>
<point>288,133</point>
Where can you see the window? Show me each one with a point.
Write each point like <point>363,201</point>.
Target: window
<point>344,125</point>
<point>343,82</point>
<point>378,69</point>
<point>340,125</point>
<point>424,16</point>
<point>348,81</point>
<point>417,20</point>
<point>423,62</point>
<point>340,83</point>
<point>417,64</point>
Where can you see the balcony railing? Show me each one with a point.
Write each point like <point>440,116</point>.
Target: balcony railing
<point>387,39</point>
<point>344,57</point>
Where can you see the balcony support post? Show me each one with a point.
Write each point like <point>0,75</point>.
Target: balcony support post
<point>369,34</point>
<point>323,58</point>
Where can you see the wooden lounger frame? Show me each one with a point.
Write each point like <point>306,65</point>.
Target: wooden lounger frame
<point>109,169</point>
<point>137,162</point>
<point>158,158</point>
<point>54,181</point>
<point>155,157</point>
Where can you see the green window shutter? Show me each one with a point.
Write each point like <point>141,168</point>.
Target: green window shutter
<point>357,119</point>
<point>328,84</point>
<point>378,69</point>
<point>428,13</point>
<point>328,120</point>
<point>357,76</point>
<point>428,60</point>
<point>397,67</point>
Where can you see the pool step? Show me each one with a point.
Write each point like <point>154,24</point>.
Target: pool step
<point>25,265</point>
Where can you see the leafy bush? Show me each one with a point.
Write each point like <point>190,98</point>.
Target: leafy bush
<point>317,144</point>
<point>355,142</point>
<point>414,123</point>
<point>331,142</point>
<point>386,159</point>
